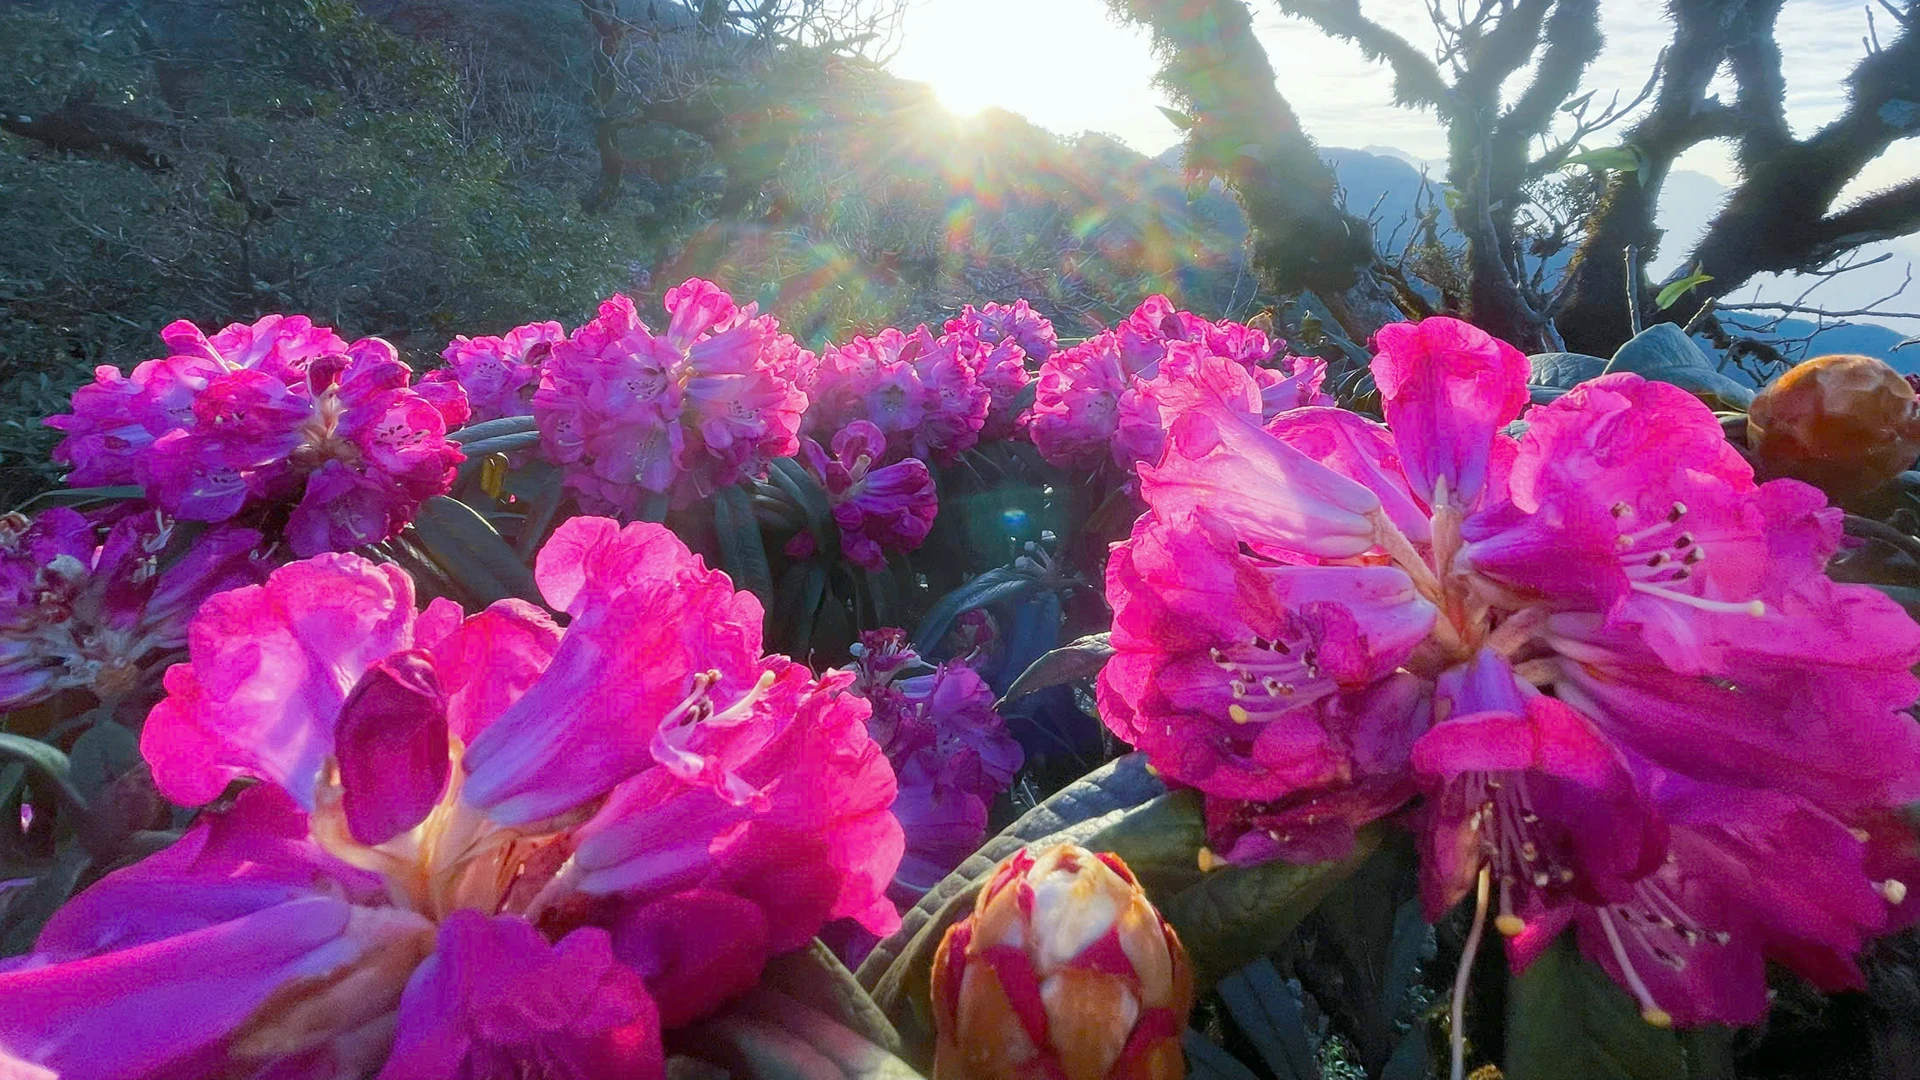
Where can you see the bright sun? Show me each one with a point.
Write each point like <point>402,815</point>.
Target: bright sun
<point>1011,54</point>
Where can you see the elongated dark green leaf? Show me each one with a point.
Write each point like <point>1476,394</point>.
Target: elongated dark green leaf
<point>816,978</point>
<point>506,425</point>
<point>1269,1013</point>
<point>81,496</point>
<point>1000,583</point>
<point>769,1036</point>
<point>48,761</point>
<point>1176,118</point>
<point>1206,1061</point>
<point>1626,158</point>
<point>743,555</point>
<point>475,556</point>
<point>29,910</point>
<point>538,519</point>
<point>1081,659</point>
<point>806,493</point>
<point>1566,1020</point>
<point>1236,912</point>
<point>498,444</point>
<point>796,606</point>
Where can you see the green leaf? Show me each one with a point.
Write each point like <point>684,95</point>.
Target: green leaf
<point>1269,1013</point>
<point>1452,198</point>
<point>997,584</point>
<point>766,1035</point>
<point>743,554</point>
<point>46,760</point>
<point>102,753</point>
<point>1564,370</point>
<point>1179,119</point>
<point>81,497</point>
<point>811,498</point>
<point>796,607</point>
<point>1566,1020</point>
<point>27,911</point>
<point>472,553</point>
<point>1625,158</point>
<point>506,425</point>
<point>816,978</point>
<point>1677,289</point>
<point>498,444</point>
<point>1080,659</point>
<point>1664,353</point>
<point>1239,911</point>
<point>1206,1061</point>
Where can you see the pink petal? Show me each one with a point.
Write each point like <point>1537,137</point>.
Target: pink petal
<point>391,742</point>
<point>1448,388</point>
<point>270,666</point>
<point>495,999</point>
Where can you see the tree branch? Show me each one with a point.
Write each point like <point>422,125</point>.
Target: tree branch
<point>1416,79</point>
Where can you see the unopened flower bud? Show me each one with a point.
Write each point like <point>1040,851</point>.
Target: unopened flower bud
<point>1846,424</point>
<point>1064,969</point>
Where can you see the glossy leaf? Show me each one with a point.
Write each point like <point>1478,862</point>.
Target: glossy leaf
<point>1000,583</point>
<point>815,978</point>
<point>1081,659</point>
<point>1268,1011</point>
<point>1235,912</point>
<point>103,752</point>
<point>475,433</point>
<point>743,554</point>
<point>1625,158</point>
<point>769,1036</point>
<point>472,553</point>
<point>1566,1020</point>
<point>1664,353</point>
<point>1563,370</point>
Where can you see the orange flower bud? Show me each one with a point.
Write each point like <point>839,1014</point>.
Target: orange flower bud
<point>1063,970</point>
<point>1846,424</point>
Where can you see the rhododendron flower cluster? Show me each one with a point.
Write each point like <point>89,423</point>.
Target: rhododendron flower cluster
<point>949,748</point>
<point>634,415</point>
<point>1609,660</point>
<point>461,855</point>
<point>279,412</point>
<point>77,610</point>
<point>1104,398</point>
<point>929,396</point>
<point>879,509</point>
<point>498,375</point>
<point>995,323</point>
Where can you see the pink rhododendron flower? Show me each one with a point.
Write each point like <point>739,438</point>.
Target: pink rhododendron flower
<point>498,374</point>
<point>77,610</point>
<point>477,845</point>
<point>878,508</point>
<point>994,323</point>
<point>1115,393</point>
<point>279,412</point>
<point>1076,405</point>
<point>1610,660</point>
<point>633,414</point>
<point>931,397</point>
<point>949,748</point>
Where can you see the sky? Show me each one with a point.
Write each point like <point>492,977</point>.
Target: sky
<point>1069,67</point>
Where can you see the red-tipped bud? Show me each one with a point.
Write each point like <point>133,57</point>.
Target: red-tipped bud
<point>1064,969</point>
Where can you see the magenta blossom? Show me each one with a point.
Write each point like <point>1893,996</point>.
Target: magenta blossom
<point>1017,322</point>
<point>104,615</point>
<point>280,412</point>
<point>632,414</point>
<point>498,374</point>
<point>878,508</point>
<point>463,855</point>
<point>929,396</point>
<point>1320,616</point>
<point>1140,437</point>
<point>948,746</point>
<point>1076,404</point>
